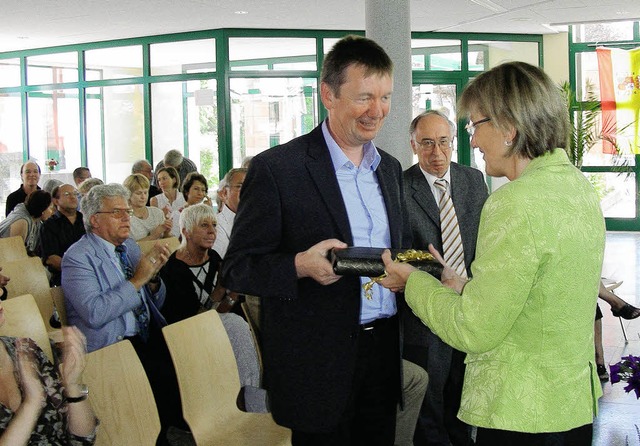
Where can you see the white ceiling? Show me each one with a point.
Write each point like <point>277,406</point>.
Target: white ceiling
<point>30,24</point>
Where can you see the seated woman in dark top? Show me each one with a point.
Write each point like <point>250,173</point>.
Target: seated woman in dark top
<point>190,276</point>
<point>38,405</point>
<point>26,220</point>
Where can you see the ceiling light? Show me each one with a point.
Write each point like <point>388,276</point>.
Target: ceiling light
<point>489,5</point>
<point>241,12</point>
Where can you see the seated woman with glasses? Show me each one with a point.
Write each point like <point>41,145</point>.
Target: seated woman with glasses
<point>191,276</point>
<point>525,319</point>
<point>147,222</point>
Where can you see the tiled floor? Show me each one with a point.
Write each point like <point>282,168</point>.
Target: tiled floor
<point>618,423</point>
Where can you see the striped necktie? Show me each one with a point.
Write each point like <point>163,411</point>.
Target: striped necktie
<point>140,312</point>
<point>451,240</point>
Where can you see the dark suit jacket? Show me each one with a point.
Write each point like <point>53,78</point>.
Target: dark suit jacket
<point>291,200</point>
<point>468,192</point>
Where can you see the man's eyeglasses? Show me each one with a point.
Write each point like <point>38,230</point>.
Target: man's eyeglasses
<point>471,126</point>
<point>118,213</point>
<point>429,144</point>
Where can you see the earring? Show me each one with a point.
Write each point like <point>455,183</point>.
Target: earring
<point>508,143</point>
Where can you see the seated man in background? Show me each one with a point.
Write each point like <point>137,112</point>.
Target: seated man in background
<point>80,174</point>
<point>30,174</point>
<point>175,159</point>
<point>61,231</point>
<point>143,167</point>
<point>230,198</point>
<point>113,292</point>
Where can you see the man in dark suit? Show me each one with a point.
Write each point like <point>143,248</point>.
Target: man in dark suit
<point>331,357</point>
<point>432,135</point>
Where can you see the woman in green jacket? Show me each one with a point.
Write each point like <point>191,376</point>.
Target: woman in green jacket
<point>525,320</point>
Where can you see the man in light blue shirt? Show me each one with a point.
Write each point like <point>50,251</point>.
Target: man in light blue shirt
<point>331,356</point>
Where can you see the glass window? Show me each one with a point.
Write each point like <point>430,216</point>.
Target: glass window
<point>617,192</point>
<point>113,63</point>
<point>327,44</point>
<point>10,73</point>
<point>115,130</point>
<point>603,32</point>
<point>10,145</point>
<point>272,53</point>
<point>435,55</point>
<point>588,77</point>
<point>54,129</point>
<point>191,56</point>
<point>266,112</point>
<point>52,68</point>
<point>185,114</point>
<point>484,55</point>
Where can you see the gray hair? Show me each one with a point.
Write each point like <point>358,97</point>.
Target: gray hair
<point>416,121</point>
<point>87,184</point>
<point>173,158</point>
<point>194,215</point>
<point>92,202</point>
<point>229,175</point>
<point>139,165</point>
<point>51,184</point>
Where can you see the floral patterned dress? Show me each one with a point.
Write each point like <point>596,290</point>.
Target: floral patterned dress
<point>51,428</point>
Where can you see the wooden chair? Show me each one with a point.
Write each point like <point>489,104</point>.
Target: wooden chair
<point>58,302</point>
<point>28,276</point>
<point>209,385</point>
<point>121,397</point>
<point>23,320</point>
<point>173,242</point>
<point>12,248</point>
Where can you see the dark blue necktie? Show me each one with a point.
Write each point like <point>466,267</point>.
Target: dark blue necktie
<point>140,312</point>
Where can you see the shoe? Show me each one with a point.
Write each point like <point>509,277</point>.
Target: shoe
<point>602,373</point>
<point>627,312</point>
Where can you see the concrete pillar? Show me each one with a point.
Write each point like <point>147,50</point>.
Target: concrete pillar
<point>389,24</point>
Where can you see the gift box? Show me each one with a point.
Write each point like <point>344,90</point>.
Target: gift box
<point>367,262</point>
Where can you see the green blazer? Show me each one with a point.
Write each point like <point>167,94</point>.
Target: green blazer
<point>526,317</point>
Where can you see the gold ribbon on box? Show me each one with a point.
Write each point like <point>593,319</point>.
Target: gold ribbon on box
<point>410,255</point>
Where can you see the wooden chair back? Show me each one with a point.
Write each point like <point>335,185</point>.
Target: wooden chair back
<point>23,320</point>
<point>121,397</point>
<point>58,301</point>
<point>11,249</point>
<point>209,384</point>
<point>146,245</point>
<point>28,276</point>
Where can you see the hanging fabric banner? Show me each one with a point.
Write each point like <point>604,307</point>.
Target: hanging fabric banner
<point>619,72</point>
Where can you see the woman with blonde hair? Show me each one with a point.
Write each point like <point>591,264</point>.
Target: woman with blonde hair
<point>525,319</point>
<point>147,223</point>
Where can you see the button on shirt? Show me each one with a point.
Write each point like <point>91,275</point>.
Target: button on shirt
<point>367,214</point>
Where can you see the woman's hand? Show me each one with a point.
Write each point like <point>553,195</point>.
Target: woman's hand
<point>449,277</point>
<point>397,273</point>
<point>74,353</point>
<point>33,393</point>
<point>4,280</point>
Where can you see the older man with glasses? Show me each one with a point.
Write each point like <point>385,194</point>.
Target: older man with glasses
<point>113,292</point>
<point>62,230</point>
<point>444,200</point>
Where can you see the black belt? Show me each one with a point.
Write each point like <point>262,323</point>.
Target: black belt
<point>377,324</point>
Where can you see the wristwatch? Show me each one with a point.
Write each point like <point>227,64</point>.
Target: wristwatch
<point>84,393</point>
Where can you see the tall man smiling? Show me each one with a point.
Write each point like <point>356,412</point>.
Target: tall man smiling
<point>331,357</point>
